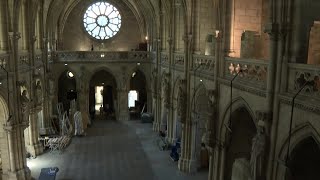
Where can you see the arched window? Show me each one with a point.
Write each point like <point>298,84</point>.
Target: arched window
<point>102,20</point>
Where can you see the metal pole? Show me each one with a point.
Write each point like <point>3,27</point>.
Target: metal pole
<point>230,122</point>
<point>291,120</point>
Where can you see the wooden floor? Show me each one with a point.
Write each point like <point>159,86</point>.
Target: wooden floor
<point>113,151</point>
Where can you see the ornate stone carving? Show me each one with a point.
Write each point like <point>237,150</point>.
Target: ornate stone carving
<point>166,89</point>
<point>252,72</point>
<point>25,107</point>
<point>38,93</point>
<point>179,59</point>
<point>102,56</point>
<point>204,63</point>
<point>164,58</point>
<point>212,113</point>
<point>312,80</point>
<point>182,100</point>
<point>154,82</point>
<point>258,147</point>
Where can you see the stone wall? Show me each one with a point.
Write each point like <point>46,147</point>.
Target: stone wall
<point>247,16</point>
<point>76,38</point>
<point>314,44</point>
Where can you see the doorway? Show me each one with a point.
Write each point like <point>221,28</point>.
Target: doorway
<point>102,96</point>
<point>137,96</point>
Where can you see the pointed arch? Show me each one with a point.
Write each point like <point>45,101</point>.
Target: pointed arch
<point>299,134</point>
<point>236,103</point>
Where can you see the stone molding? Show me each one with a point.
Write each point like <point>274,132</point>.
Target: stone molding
<point>285,99</point>
<point>244,87</point>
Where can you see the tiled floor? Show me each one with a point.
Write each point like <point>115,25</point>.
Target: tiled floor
<point>113,151</point>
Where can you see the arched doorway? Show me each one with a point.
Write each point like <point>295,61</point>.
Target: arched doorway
<point>67,90</point>
<point>137,96</point>
<point>239,145</point>
<point>200,113</point>
<point>102,95</point>
<point>4,115</point>
<point>304,161</point>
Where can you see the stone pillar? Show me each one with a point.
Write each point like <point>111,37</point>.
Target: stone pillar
<point>13,148</point>
<point>186,164</point>
<point>123,105</point>
<point>14,158</point>
<point>157,70</point>
<point>34,147</point>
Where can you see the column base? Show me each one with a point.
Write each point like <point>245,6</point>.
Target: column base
<point>43,131</point>
<point>123,117</point>
<point>187,165</point>
<point>22,174</point>
<point>156,127</point>
<point>171,140</point>
<point>35,149</point>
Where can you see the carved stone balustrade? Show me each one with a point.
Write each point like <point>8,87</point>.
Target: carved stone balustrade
<point>4,58</point>
<point>164,58</point>
<point>100,56</point>
<point>299,74</point>
<point>204,63</point>
<point>179,59</point>
<point>254,72</point>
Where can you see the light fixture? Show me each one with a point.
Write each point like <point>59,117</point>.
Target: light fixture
<point>217,33</point>
<point>133,74</point>
<point>0,83</point>
<point>70,74</point>
<point>71,90</point>
<point>102,55</point>
<point>138,64</point>
<point>146,38</point>
<point>65,64</point>
<point>200,80</point>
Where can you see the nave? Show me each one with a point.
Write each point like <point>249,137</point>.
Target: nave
<point>113,151</point>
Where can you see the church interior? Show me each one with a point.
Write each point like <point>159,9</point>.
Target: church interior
<point>160,89</point>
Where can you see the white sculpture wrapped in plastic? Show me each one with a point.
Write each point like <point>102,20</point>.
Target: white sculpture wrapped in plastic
<point>78,125</point>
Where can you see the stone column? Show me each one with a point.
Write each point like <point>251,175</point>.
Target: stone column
<point>14,158</point>
<point>13,150</point>
<point>123,105</point>
<point>157,70</point>
<point>82,104</point>
<point>186,164</point>
<point>34,147</point>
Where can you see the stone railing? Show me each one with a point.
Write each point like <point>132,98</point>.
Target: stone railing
<point>299,74</point>
<point>203,63</point>
<point>38,59</point>
<point>179,59</point>
<point>4,59</point>
<point>164,57</point>
<point>94,56</point>
<point>254,72</point>
<point>23,58</point>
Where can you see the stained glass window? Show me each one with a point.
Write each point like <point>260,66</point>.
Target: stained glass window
<point>102,20</point>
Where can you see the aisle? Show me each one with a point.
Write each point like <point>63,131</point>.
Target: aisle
<point>113,151</point>
<point>109,151</point>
